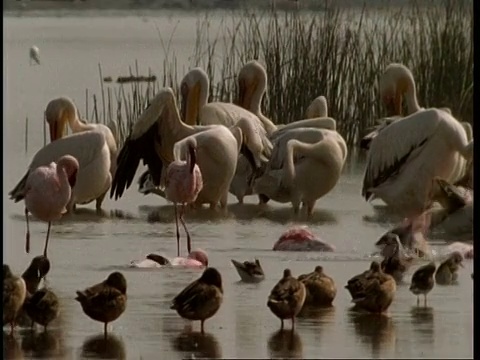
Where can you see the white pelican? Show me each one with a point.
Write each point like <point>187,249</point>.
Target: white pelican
<point>154,137</point>
<point>396,82</point>
<point>34,54</point>
<point>407,155</point>
<point>62,110</point>
<point>306,164</point>
<point>252,85</point>
<point>317,108</point>
<point>93,179</point>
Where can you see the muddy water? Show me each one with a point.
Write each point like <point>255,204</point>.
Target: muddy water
<point>87,246</point>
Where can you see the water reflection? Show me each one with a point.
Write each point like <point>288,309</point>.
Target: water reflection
<point>11,347</point>
<point>84,215</point>
<point>198,345</point>
<point>317,314</point>
<point>98,347</point>
<point>378,330</point>
<point>44,345</point>
<point>241,212</point>
<point>285,344</point>
<point>423,323</point>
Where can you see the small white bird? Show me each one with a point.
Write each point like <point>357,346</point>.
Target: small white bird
<point>34,55</point>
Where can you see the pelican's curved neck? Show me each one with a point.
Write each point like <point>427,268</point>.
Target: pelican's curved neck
<point>411,97</point>
<point>204,92</point>
<point>76,125</point>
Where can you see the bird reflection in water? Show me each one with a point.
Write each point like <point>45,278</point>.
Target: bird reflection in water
<point>378,330</point>
<point>45,345</point>
<point>285,344</point>
<point>423,323</point>
<point>11,348</point>
<point>99,347</point>
<point>198,345</point>
<point>280,215</point>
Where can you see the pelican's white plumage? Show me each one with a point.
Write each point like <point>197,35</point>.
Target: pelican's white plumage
<point>62,110</point>
<point>155,137</point>
<point>405,157</point>
<point>34,55</point>
<point>397,82</point>
<point>93,179</point>
<point>306,164</point>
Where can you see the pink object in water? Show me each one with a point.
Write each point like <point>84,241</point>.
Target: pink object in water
<point>47,192</point>
<point>183,184</point>
<point>300,239</point>
<point>197,258</point>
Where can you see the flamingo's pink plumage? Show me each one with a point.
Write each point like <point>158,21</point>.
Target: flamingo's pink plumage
<point>47,192</point>
<point>182,185</point>
<point>300,239</point>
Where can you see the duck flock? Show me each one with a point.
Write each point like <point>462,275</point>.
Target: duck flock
<point>420,164</point>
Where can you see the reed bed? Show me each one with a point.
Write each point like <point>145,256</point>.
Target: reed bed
<point>338,53</point>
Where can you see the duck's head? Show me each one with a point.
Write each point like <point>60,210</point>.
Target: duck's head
<point>117,281</point>
<point>7,273</point>
<point>455,260</point>
<point>375,266</point>
<point>41,265</point>
<point>287,273</point>
<point>200,256</point>
<point>390,244</point>
<point>319,269</point>
<point>430,268</point>
<point>212,276</point>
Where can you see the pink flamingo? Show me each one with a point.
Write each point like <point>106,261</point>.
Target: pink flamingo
<point>182,185</point>
<point>47,192</point>
<point>300,238</point>
<point>196,259</point>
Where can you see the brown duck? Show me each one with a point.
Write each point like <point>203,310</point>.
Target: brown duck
<point>42,307</point>
<point>356,285</point>
<point>377,291</point>
<point>106,301</point>
<point>422,281</point>
<point>321,289</point>
<point>250,272</point>
<point>36,271</point>
<point>447,271</point>
<point>287,298</point>
<point>395,262</point>
<point>201,299</point>
<point>14,292</point>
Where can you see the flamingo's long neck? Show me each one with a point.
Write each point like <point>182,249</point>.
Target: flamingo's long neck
<point>192,159</point>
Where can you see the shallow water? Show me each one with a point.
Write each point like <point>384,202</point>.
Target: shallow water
<point>88,246</point>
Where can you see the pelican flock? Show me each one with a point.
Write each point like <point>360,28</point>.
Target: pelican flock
<point>420,165</point>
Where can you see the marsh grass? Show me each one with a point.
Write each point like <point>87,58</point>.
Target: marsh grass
<point>338,53</point>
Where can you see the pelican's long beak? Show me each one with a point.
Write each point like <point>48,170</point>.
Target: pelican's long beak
<point>238,265</point>
<point>241,92</point>
<point>190,104</point>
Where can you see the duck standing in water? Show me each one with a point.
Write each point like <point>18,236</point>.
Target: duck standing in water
<point>249,272</point>
<point>395,262</point>
<point>372,290</point>
<point>422,281</point>
<point>287,298</point>
<point>201,299</point>
<point>106,301</point>
<point>321,289</point>
<point>300,239</point>
<point>42,307</point>
<point>446,273</point>
<point>33,275</point>
<point>14,292</point>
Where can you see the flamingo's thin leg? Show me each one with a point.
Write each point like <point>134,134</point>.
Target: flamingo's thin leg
<point>189,240</point>
<point>46,241</point>
<point>27,237</point>
<point>178,231</point>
